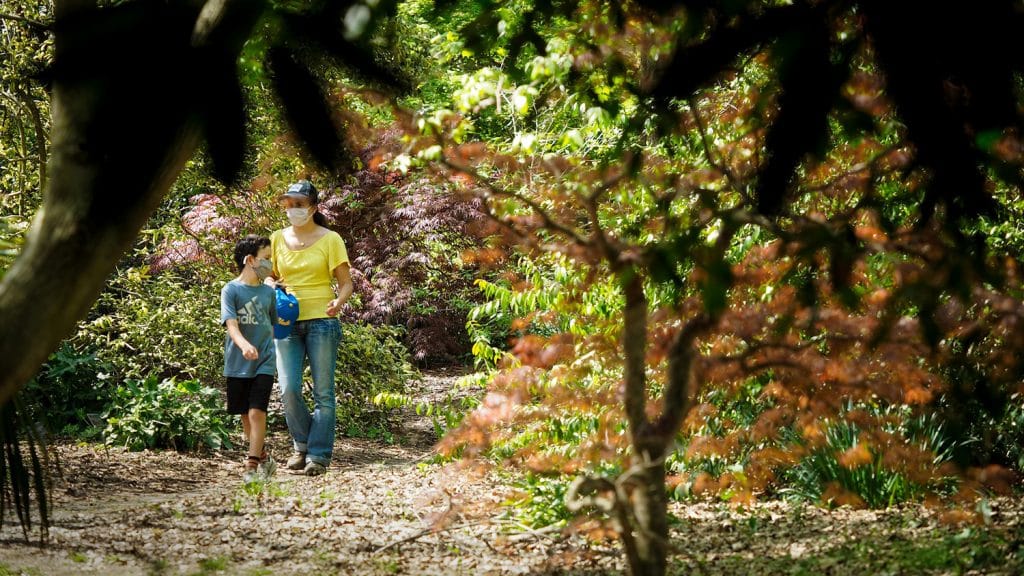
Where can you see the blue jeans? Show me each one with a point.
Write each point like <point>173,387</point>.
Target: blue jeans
<point>317,340</point>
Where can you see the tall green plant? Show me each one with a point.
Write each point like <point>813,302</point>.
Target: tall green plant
<point>25,461</point>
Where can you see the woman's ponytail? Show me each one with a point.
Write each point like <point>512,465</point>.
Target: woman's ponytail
<point>319,219</point>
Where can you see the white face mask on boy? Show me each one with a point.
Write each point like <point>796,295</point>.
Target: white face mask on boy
<point>298,216</point>
<point>263,268</point>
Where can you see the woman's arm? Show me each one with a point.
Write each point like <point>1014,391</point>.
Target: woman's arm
<point>345,288</point>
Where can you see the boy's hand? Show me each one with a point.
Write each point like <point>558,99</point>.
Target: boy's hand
<point>249,352</point>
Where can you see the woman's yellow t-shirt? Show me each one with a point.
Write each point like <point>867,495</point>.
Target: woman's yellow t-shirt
<point>308,273</point>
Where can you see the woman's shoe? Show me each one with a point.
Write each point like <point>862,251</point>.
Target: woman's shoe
<point>297,461</point>
<point>314,469</point>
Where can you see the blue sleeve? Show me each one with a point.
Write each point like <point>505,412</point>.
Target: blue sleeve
<point>228,308</point>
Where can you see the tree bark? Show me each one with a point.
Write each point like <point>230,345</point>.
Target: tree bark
<point>645,482</point>
<point>124,122</point>
<point>650,509</point>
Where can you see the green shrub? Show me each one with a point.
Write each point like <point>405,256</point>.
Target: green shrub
<point>371,361</point>
<point>70,387</point>
<point>876,483</point>
<point>1010,433</point>
<point>878,486</point>
<point>540,501</point>
<point>161,325</point>
<point>165,327</point>
<point>166,413</point>
<point>446,413</point>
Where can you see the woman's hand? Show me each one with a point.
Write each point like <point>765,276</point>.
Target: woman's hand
<point>334,307</point>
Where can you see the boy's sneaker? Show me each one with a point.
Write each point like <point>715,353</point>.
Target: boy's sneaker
<point>252,470</point>
<point>314,469</point>
<point>297,461</point>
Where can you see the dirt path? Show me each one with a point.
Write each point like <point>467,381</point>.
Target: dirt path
<point>118,512</point>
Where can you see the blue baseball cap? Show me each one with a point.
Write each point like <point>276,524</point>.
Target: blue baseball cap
<point>287,313</point>
<point>301,189</point>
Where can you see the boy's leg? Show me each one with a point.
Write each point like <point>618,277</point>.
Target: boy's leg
<point>322,345</point>
<point>259,401</point>
<point>238,390</point>
<point>257,420</point>
<point>246,428</point>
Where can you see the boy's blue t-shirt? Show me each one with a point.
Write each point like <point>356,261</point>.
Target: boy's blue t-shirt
<point>255,309</point>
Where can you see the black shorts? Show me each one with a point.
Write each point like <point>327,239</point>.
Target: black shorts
<point>247,393</point>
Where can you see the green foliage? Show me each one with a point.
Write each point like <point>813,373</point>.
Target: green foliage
<point>540,501</point>
<point>445,414</point>
<point>12,237</point>
<point>371,362</point>
<point>154,413</point>
<point>551,296</point>
<point>70,391</point>
<point>146,325</point>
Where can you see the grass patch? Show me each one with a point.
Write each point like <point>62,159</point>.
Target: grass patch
<point>6,570</point>
<point>212,565</point>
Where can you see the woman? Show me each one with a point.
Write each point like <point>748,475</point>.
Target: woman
<point>307,259</point>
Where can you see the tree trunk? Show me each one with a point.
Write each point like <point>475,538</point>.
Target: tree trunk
<point>124,96</point>
<point>650,508</point>
<point>99,195</point>
<point>646,544</point>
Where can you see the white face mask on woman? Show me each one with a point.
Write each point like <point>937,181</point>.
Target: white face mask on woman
<point>298,216</point>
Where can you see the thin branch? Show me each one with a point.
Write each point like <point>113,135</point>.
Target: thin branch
<point>583,493</point>
<point>428,532</point>
<point>590,201</point>
<point>37,123</point>
<point>548,222</point>
<point>721,166</point>
<point>32,23</point>
<point>677,397</point>
<point>538,533</point>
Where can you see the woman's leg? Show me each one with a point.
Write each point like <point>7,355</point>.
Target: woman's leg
<point>322,340</point>
<point>290,353</point>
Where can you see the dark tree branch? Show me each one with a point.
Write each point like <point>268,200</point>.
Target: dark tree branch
<point>32,23</point>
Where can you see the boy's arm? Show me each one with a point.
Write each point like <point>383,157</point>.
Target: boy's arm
<point>249,351</point>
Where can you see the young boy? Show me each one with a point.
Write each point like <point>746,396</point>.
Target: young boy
<point>248,310</point>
